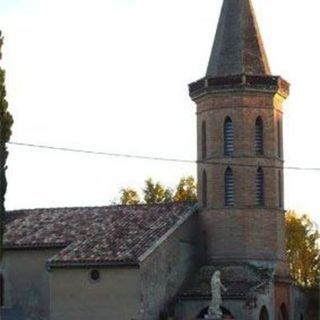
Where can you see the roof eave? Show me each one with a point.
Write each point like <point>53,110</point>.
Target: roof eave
<point>240,82</point>
<point>92,264</point>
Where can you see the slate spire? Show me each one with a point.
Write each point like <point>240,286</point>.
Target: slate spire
<point>238,47</point>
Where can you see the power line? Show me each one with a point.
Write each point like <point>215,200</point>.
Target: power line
<point>101,153</point>
<point>150,158</point>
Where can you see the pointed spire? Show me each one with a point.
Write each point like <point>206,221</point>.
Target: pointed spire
<point>238,47</point>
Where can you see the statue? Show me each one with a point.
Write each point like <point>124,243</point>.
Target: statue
<point>214,312</point>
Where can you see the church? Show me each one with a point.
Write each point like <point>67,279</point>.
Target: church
<point>150,262</point>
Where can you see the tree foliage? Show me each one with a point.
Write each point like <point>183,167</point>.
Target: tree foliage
<point>6,122</point>
<point>303,249</point>
<point>186,190</point>
<point>155,192</point>
<point>129,196</point>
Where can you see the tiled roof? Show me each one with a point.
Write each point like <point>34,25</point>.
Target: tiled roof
<point>96,235</point>
<point>239,279</point>
<point>238,46</point>
<point>10,216</point>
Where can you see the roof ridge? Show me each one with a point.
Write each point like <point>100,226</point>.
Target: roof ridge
<point>30,210</point>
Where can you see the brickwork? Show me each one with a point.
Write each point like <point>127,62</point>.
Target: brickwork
<point>245,231</point>
<point>282,300</point>
<point>244,234</point>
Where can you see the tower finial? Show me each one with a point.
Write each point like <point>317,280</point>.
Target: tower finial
<point>238,46</point>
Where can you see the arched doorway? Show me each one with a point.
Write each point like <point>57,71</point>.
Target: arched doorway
<point>226,314</point>
<point>264,315</point>
<point>283,313</point>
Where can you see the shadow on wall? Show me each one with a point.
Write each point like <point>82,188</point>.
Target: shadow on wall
<point>227,315</point>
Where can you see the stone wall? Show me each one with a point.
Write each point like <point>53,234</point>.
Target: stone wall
<point>300,304</point>
<point>189,309</point>
<point>26,282</point>
<point>74,295</point>
<point>164,271</point>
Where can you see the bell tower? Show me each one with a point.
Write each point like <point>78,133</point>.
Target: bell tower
<point>240,155</point>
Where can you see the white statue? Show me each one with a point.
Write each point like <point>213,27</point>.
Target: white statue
<point>216,286</point>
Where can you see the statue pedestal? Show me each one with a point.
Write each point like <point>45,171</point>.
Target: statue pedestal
<point>212,317</point>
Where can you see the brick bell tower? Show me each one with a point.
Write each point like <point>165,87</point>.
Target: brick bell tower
<point>240,154</point>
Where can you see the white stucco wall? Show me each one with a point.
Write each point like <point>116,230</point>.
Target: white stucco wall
<point>115,296</point>
<point>26,281</point>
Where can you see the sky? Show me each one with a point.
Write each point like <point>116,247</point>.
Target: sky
<point>112,75</point>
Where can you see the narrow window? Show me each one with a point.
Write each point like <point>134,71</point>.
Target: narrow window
<point>279,139</point>
<point>228,137</point>
<point>1,291</point>
<point>264,314</point>
<point>260,187</point>
<point>284,312</point>
<point>204,140</point>
<point>204,189</point>
<point>280,189</point>
<point>229,188</point>
<point>259,137</point>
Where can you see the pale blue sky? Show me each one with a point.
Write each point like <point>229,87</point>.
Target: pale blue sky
<point>112,75</point>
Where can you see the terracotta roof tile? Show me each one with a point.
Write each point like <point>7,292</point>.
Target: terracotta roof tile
<point>97,234</point>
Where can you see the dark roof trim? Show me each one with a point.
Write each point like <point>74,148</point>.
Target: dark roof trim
<point>92,264</point>
<point>208,297</point>
<point>35,246</point>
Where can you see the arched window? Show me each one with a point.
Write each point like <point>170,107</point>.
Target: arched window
<point>280,189</point>
<point>279,137</point>
<point>228,137</point>
<point>229,188</point>
<point>260,187</point>
<point>204,190</point>
<point>259,137</point>
<point>204,140</point>
<point>283,314</point>
<point>264,314</point>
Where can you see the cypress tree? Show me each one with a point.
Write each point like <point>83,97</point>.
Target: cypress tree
<point>6,122</point>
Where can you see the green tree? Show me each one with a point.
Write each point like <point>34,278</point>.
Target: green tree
<point>155,192</point>
<point>303,249</point>
<point>186,190</point>
<point>129,196</point>
<point>6,122</point>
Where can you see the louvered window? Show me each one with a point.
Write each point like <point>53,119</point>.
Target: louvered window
<point>259,137</point>
<point>228,137</point>
<point>229,188</point>
<point>204,189</point>
<point>204,140</point>
<point>279,139</point>
<point>280,189</point>
<point>260,187</point>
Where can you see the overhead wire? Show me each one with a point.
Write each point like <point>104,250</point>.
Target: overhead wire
<point>153,158</point>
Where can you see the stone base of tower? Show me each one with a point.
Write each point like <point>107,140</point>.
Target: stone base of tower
<point>252,293</point>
